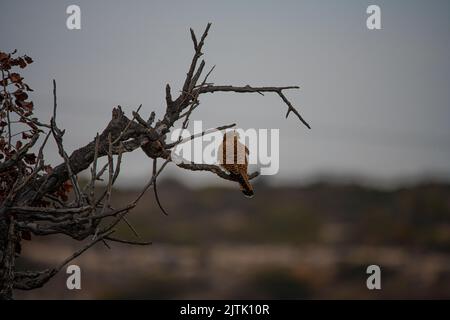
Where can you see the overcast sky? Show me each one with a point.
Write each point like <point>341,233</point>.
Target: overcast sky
<point>378,101</point>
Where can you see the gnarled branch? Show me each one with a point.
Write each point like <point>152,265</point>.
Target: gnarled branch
<point>86,216</point>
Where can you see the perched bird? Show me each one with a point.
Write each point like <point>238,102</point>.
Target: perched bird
<point>233,157</point>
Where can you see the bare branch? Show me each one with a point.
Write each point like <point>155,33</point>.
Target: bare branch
<point>214,169</point>
<point>24,210</point>
<point>58,134</point>
<point>198,47</point>
<point>33,280</point>
<point>198,135</point>
<point>155,191</point>
<point>138,243</point>
<point>19,154</point>
<point>249,89</point>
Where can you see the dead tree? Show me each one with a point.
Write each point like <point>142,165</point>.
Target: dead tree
<point>38,200</point>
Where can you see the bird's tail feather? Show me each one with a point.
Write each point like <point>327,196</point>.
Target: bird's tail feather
<point>246,187</point>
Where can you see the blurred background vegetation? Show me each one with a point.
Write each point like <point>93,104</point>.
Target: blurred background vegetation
<point>310,241</point>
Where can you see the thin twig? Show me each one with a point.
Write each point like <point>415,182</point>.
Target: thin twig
<point>155,191</point>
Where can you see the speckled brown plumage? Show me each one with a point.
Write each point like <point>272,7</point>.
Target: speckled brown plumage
<point>233,157</point>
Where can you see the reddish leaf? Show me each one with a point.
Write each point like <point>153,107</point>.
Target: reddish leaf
<point>28,105</point>
<point>67,186</point>
<point>26,135</point>
<point>30,158</point>
<point>18,145</point>
<point>22,63</point>
<point>28,59</point>
<point>3,56</point>
<point>6,65</point>
<point>15,77</point>
<point>20,95</point>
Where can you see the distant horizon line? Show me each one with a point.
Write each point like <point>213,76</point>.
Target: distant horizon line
<point>337,180</point>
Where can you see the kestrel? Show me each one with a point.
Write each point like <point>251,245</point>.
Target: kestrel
<point>233,157</point>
